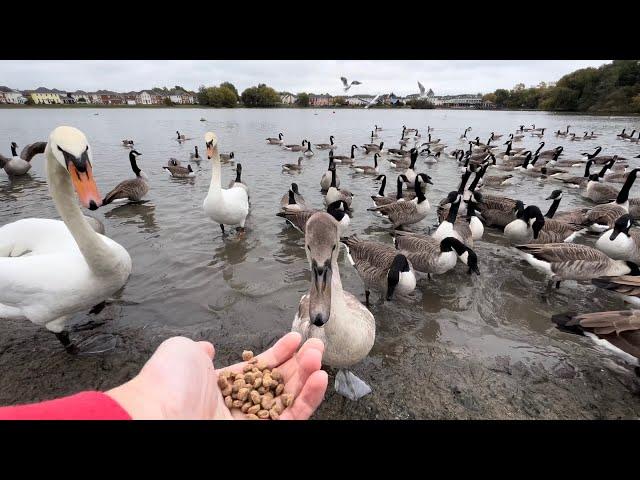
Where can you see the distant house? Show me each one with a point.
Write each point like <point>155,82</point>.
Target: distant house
<point>356,101</point>
<point>288,98</point>
<point>176,98</point>
<point>188,98</point>
<point>111,98</point>
<point>8,95</point>
<point>144,98</point>
<point>80,96</point>
<point>130,98</point>
<point>95,99</point>
<point>320,100</point>
<point>43,96</point>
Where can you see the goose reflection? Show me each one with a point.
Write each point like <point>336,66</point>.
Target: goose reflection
<point>139,214</point>
<point>291,245</point>
<point>233,250</point>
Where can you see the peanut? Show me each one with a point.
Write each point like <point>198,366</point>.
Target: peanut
<point>263,414</point>
<point>274,414</point>
<point>246,406</point>
<point>222,383</point>
<point>247,355</point>
<point>279,389</point>
<point>287,399</point>
<point>249,378</point>
<point>267,402</point>
<point>262,390</point>
<point>254,409</point>
<point>252,417</point>
<point>228,401</point>
<point>257,383</point>
<point>243,394</point>
<point>237,404</point>
<point>275,374</point>
<point>227,391</point>
<point>247,368</point>
<point>255,397</point>
<point>262,365</point>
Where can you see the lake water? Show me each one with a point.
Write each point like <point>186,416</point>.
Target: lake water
<point>459,347</point>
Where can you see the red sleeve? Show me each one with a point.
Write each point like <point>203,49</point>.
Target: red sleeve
<point>82,406</point>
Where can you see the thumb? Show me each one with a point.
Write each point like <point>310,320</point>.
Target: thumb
<point>208,349</point>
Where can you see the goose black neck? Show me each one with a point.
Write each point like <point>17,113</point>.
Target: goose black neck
<point>375,160</point>
<point>13,151</point>
<point>399,188</point>
<point>539,148</point>
<point>353,147</point>
<point>197,156</point>
<point>382,187</point>
<point>464,180</point>
<point>333,177</point>
<point>414,157</point>
<point>238,175</point>
<point>508,149</point>
<point>418,189</point>
<point>623,195</point>
<point>471,208</point>
<point>476,179</point>
<point>553,208</point>
<point>292,198</point>
<point>587,169</point>
<point>134,164</point>
<point>604,168</point>
<point>453,211</point>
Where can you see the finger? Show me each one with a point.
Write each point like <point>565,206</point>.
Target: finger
<point>282,351</point>
<point>297,370</point>
<point>314,343</point>
<point>288,369</point>
<point>208,348</point>
<point>310,397</point>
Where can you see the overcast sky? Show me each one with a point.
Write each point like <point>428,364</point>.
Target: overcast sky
<point>317,76</point>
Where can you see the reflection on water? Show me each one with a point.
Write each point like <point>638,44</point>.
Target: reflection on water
<point>141,215</point>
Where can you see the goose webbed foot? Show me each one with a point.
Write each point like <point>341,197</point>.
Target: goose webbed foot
<point>63,337</point>
<point>349,385</point>
<point>222,228</point>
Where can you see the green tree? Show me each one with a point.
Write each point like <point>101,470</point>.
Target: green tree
<point>221,97</point>
<point>167,101</point>
<point>231,87</point>
<point>303,99</point>
<point>421,103</point>
<point>29,101</point>
<point>203,99</point>
<point>339,101</point>
<point>260,96</point>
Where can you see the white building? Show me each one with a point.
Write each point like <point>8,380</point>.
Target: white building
<point>95,98</point>
<point>13,96</point>
<point>288,99</point>
<point>176,98</point>
<point>144,98</point>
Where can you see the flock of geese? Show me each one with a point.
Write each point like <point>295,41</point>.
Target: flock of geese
<point>50,269</point>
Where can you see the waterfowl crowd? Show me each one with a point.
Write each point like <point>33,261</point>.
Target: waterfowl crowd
<point>34,251</point>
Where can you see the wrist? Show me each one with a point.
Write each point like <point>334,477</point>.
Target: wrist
<point>137,400</point>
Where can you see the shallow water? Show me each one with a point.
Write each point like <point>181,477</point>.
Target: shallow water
<point>188,279</point>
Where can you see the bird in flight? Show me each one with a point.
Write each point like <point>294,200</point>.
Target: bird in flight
<point>373,101</point>
<point>348,85</point>
<point>422,89</point>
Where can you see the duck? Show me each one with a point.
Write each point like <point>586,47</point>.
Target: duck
<point>380,267</point>
<point>532,227</point>
<point>407,212</point>
<point>238,180</point>
<point>327,312</point>
<point>431,256</point>
<point>334,194</point>
<point>326,146</point>
<point>327,177</point>
<point>224,206</point>
<point>299,199</point>
<point>195,156</point>
<point>51,269</point>
<point>133,189</point>
<point>293,167</point>
<point>275,141</point>
<point>617,331</point>
<point>298,218</point>
<point>368,169</point>
<point>296,148</point>
<point>572,261</point>
<point>19,165</point>
<point>621,242</point>
<point>343,159</point>
<point>179,172</point>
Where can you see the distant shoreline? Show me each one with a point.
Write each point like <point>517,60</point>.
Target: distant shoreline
<point>10,106</point>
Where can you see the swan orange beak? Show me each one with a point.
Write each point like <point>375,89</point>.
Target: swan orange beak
<point>85,186</point>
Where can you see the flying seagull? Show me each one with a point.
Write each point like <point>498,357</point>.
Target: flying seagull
<point>347,85</point>
<point>422,90</point>
<point>373,101</point>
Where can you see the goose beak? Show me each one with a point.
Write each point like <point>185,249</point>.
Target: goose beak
<point>320,295</point>
<point>84,183</point>
<point>614,235</point>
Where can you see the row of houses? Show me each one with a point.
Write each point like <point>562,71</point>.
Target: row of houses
<point>448,101</point>
<point>45,96</point>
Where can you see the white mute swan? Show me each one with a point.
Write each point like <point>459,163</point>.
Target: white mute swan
<point>51,269</point>
<point>225,206</point>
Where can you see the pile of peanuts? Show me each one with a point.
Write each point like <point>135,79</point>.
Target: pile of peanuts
<point>258,391</point>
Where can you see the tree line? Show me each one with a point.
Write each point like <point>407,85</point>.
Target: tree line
<point>613,87</point>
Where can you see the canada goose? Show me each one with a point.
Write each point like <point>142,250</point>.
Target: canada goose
<point>617,331</point>
<point>601,159</point>
<point>224,206</point>
<point>431,256</point>
<point>571,261</point>
<point>586,136</point>
<point>626,286</point>
<point>474,223</point>
<point>410,172</point>
<point>295,148</point>
<point>444,205</point>
<point>343,159</point>
<point>195,156</point>
<point>275,141</point>
<point>308,152</point>
<point>51,269</point>
<point>377,128</point>
<point>573,181</point>
<point>563,134</point>
<point>625,136</point>
<point>368,169</point>
<point>299,199</point>
<point>498,211</point>
<point>327,312</point>
<point>298,219</point>
<point>327,177</point>
<point>19,165</point>
<point>293,167</point>
<point>334,194</point>
<point>181,138</point>
<point>173,162</point>
<point>408,130</point>
<point>516,137</point>
<point>622,134</point>
<point>380,267</point>
<point>532,227</point>
<point>573,138</point>
<point>635,139</point>
<point>407,212</point>
<point>634,207</point>
<point>575,216</point>
<point>599,192</point>
<point>127,143</point>
<point>380,199</point>
<point>238,180</point>
<point>373,148</point>
<point>180,172</point>
<point>400,152</point>
<point>602,217</point>
<point>291,204</point>
<point>134,189</point>
<point>430,157</point>
<point>464,229</point>
<point>464,135</point>
<point>539,134</point>
<point>226,157</point>
<point>373,135</point>
<point>325,146</point>
<point>621,242</point>
<point>498,180</point>
<point>495,137</point>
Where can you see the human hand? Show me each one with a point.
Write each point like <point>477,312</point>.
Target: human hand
<point>179,381</point>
